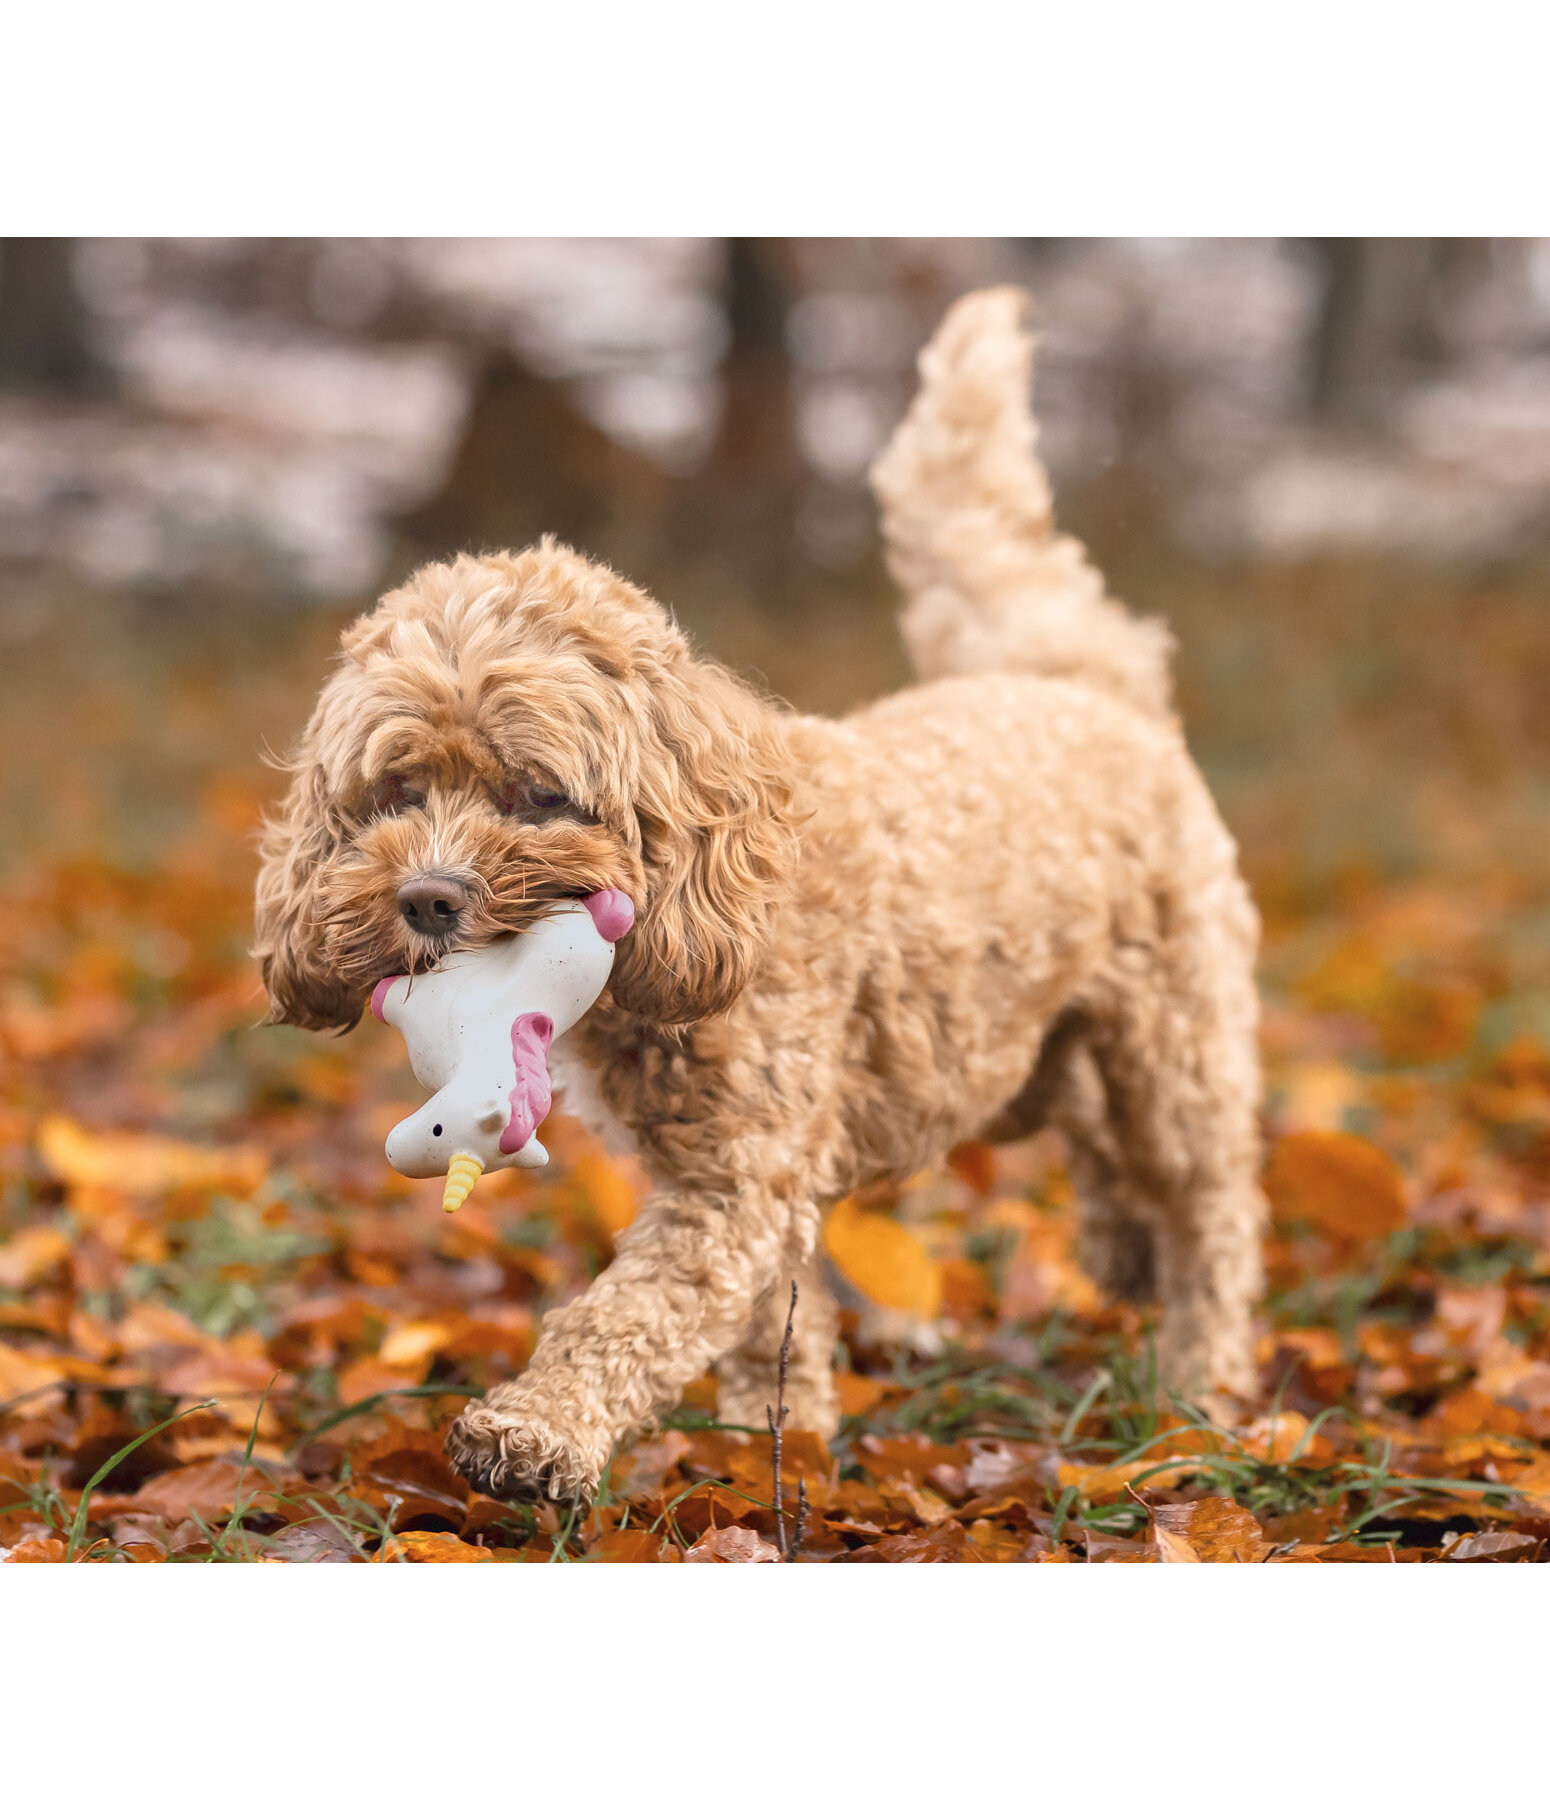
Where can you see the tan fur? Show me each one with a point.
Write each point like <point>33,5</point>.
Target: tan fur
<point>998,898</point>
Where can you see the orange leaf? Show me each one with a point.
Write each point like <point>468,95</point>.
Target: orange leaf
<point>32,1253</point>
<point>1214,1529</point>
<point>432,1547</point>
<point>1344,1186</point>
<point>974,1163</point>
<point>626,1546</point>
<point>1109,1483</point>
<point>137,1163</point>
<point>882,1258</point>
<point>38,1550</point>
<point>606,1189</point>
<point>412,1346</point>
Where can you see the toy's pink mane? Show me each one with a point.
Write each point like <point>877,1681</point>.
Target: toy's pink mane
<point>531,1035</point>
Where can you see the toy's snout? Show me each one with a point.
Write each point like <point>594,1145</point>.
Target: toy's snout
<point>425,1143</point>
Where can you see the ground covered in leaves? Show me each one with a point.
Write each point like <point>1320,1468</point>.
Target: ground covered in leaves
<point>228,1332</point>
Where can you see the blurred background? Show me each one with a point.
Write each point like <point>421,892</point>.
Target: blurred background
<point>1325,462</point>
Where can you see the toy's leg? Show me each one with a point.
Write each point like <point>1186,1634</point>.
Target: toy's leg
<point>749,1376</point>
<point>680,1293</point>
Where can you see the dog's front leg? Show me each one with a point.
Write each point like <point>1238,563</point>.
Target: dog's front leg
<point>680,1293</point>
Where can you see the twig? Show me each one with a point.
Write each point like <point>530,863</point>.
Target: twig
<point>777,1419</point>
<point>796,1538</point>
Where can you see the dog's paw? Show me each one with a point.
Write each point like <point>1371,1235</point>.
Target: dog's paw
<point>510,1454</point>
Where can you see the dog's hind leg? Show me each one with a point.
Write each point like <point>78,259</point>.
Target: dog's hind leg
<point>1176,1051</point>
<point>748,1376</point>
<point>1066,1090</point>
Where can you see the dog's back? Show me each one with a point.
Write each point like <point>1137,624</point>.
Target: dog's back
<point>991,586</point>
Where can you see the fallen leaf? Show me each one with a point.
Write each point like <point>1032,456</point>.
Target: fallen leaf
<point>1342,1185</point>
<point>731,1544</point>
<point>629,1546</point>
<point>38,1550</point>
<point>34,1252</point>
<point>138,1163</point>
<point>432,1547</point>
<point>313,1541</point>
<point>1110,1481</point>
<point>214,1489</point>
<point>883,1258</point>
<point>1213,1529</point>
<point>1494,1546</point>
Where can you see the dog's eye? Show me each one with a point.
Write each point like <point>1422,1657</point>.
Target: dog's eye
<point>393,793</point>
<point>528,796</point>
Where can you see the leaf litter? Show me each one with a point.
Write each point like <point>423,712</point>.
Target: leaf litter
<point>229,1333</point>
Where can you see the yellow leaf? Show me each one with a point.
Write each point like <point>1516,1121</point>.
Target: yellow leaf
<point>408,1346</point>
<point>137,1163</point>
<point>1171,1547</point>
<point>884,1259</point>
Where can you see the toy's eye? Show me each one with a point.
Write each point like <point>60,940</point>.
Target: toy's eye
<point>435,1131</point>
<point>394,793</point>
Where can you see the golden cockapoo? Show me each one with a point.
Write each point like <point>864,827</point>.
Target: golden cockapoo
<point>998,899</point>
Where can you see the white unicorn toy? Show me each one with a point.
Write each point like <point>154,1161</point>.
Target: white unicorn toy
<point>479,1027</point>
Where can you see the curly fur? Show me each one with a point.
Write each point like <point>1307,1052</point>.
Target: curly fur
<point>997,899</point>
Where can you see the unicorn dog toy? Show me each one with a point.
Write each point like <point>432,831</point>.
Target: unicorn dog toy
<point>479,1027</point>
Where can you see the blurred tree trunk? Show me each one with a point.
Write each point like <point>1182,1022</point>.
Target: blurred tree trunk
<point>757,443</point>
<point>1378,322</point>
<point>43,339</point>
<point>742,509</point>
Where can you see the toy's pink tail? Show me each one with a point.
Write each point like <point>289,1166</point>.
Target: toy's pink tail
<point>970,527</point>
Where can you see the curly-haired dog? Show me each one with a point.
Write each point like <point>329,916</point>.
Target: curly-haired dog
<point>1000,898</point>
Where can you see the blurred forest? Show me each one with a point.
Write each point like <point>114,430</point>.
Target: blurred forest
<point>1325,461</point>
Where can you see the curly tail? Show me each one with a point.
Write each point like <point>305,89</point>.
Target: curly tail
<point>970,530</point>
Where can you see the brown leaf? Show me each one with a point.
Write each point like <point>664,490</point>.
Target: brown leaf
<point>942,1543</point>
<point>913,1458</point>
<point>314,1541</point>
<point>1494,1546</point>
<point>213,1489</point>
<point>644,1469</point>
<point>731,1544</point>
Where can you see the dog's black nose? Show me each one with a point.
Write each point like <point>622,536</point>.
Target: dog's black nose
<point>432,904</point>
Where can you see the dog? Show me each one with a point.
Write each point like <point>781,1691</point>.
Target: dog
<point>998,899</point>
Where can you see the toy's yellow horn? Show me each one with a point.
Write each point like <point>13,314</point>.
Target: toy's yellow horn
<point>462,1172</point>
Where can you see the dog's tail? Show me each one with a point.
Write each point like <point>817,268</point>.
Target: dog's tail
<point>970,530</point>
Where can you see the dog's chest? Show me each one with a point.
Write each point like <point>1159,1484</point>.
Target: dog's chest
<point>578,1092</point>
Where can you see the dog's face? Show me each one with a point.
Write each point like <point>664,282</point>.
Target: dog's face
<point>502,732</point>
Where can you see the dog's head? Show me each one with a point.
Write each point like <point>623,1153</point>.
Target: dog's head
<point>504,731</point>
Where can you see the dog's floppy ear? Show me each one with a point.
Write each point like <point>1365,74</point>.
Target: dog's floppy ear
<point>295,842</point>
<point>713,799</point>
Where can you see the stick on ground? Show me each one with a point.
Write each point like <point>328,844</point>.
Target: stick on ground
<point>777,1419</point>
